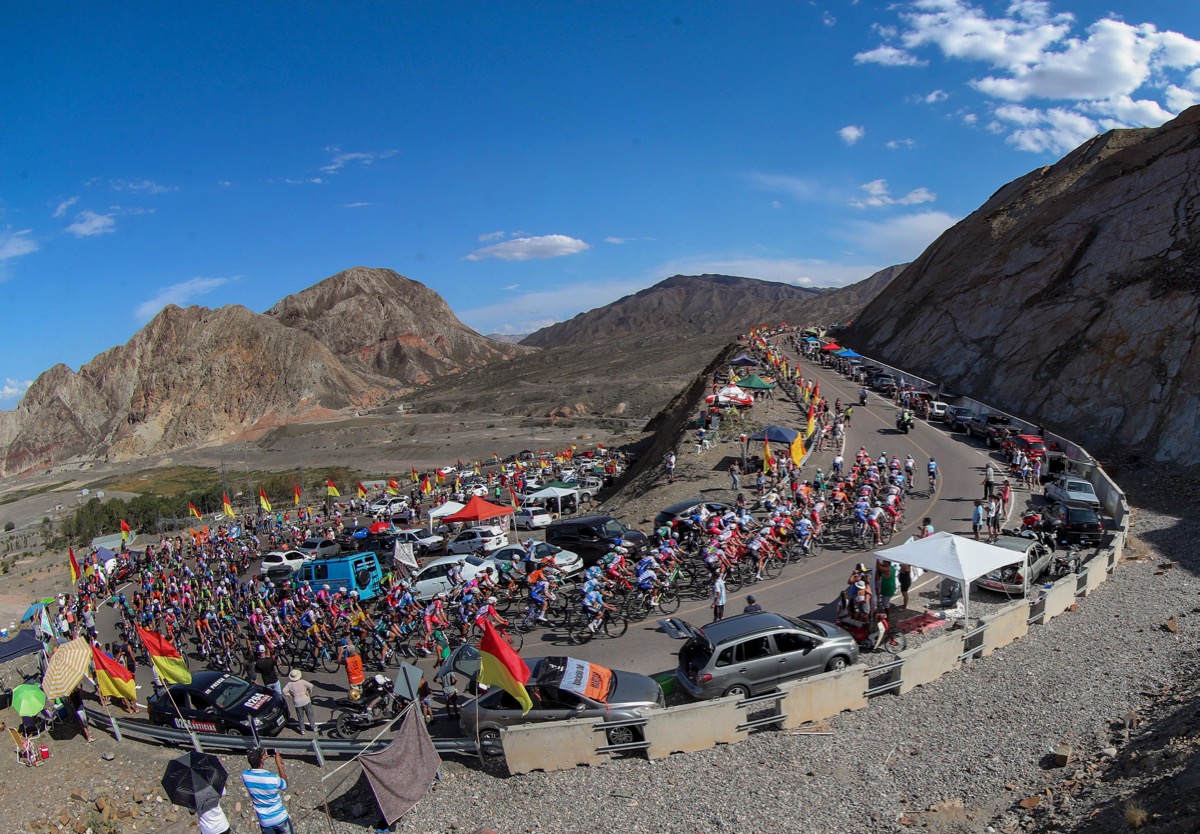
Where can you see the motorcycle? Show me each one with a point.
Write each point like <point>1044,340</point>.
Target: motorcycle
<point>376,703</point>
<point>862,397</point>
<point>904,422</point>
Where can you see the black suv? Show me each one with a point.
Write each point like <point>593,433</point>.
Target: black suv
<point>592,536</point>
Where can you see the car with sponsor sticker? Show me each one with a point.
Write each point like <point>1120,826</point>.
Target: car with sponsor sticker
<point>220,703</point>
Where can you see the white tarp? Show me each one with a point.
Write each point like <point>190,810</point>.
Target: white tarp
<point>448,508</point>
<point>552,492</point>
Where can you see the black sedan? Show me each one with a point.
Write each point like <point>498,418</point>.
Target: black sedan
<point>1072,524</point>
<point>216,702</point>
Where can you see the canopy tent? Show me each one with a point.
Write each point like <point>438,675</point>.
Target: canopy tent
<point>743,361</point>
<point>556,491</point>
<point>477,509</point>
<point>847,353</point>
<point>442,510</point>
<point>812,339</point>
<point>954,556</point>
<point>25,643</point>
<point>831,346</point>
<point>775,434</point>
<point>755,382</point>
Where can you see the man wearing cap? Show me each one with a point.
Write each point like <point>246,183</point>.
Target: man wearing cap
<point>299,692</point>
<point>752,605</point>
<point>264,665</point>
<point>266,792</point>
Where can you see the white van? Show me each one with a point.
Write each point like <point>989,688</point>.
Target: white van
<point>937,411</point>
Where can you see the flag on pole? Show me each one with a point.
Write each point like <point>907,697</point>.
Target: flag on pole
<point>296,496</point>
<point>225,506</point>
<point>263,501</point>
<point>426,487</point>
<point>768,461</point>
<point>362,490</point>
<point>500,666</point>
<point>193,511</point>
<point>415,477</point>
<point>393,487</point>
<point>75,572</point>
<point>112,678</point>
<point>812,419</point>
<point>165,657</point>
<point>125,531</point>
<point>331,489</point>
<point>440,476</point>
<point>45,626</point>
<point>798,448</point>
<point>513,496</point>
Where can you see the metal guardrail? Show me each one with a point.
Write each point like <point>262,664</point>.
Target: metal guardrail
<point>885,669</point>
<point>969,637</point>
<point>767,720</point>
<point>605,726</point>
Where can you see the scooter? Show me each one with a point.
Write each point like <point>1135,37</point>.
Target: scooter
<point>879,634</point>
<point>355,715</point>
<point>862,396</point>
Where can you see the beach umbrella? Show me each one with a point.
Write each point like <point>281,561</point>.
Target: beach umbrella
<point>28,700</point>
<point>380,527</point>
<point>195,780</point>
<point>66,668</point>
<point>32,611</point>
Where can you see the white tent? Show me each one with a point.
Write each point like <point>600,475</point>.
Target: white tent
<point>557,493</point>
<point>442,510</point>
<point>954,556</point>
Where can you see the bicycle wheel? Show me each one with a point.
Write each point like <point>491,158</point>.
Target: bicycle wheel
<point>515,639</point>
<point>771,567</point>
<point>615,625</point>
<point>735,577</point>
<point>636,607</point>
<point>816,545</point>
<point>328,661</point>
<point>393,657</point>
<point>885,533</point>
<point>580,633</point>
<point>669,601</point>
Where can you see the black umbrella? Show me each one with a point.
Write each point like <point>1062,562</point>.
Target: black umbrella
<point>195,780</point>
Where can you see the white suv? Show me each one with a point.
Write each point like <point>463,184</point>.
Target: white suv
<point>531,518</point>
<point>478,540</point>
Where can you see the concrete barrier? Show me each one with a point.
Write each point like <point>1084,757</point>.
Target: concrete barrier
<point>1096,572</point>
<point>929,662</point>
<point>691,727</point>
<point>555,745</point>
<point>823,696</point>
<point>1007,625</point>
<point>1060,597</point>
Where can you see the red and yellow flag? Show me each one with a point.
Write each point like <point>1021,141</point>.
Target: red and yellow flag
<point>125,531</point>
<point>362,490</point>
<point>331,489</point>
<point>193,511</point>
<point>296,496</point>
<point>426,487</point>
<point>112,678</point>
<point>768,461</point>
<point>165,657</point>
<point>393,487</point>
<point>440,476</point>
<point>500,666</point>
<point>415,477</point>
<point>812,419</point>
<point>798,450</point>
<point>263,501</point>
<point>75,572</point>
<point>225,505</point>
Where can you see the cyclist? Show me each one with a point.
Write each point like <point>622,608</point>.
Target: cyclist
<point>873,520</point>
<point>933,473</point>
<point>594,607</point>
<point>909,466</point>
<point>540,596</point>
<point>488,613</point>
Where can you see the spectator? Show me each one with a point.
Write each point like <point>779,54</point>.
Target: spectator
<point>752,605</point>
<point>977,518</point>
<point>299,692</point>
<point>718,596</point>
<point>266,792</point>
<point>989,480</point>
<point>735,476</point>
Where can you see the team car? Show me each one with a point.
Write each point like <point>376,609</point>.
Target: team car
<point>216,702</point>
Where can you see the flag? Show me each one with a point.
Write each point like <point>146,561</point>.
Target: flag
<point>225,507</point>
<point>45,626</point>
<point>513,497</point>
<point>125,531</point>
<point>393,487</point>
<point>500,666</point>
<point>165,657</point>
<point>457,483</point>
<point>426,487</point>
<point>112,678</point>
<point>812,419</point>
<point>816,391</point>
<point>296,496</point>
<point>263,501</point>
<point>193,511</point>
<point>362,490</point>
<point>415,477</point>
<point>331,489</point>
<point>440,477</point>
<point>768,461</point>
<point>75,572</point>
<point>798,448</point>
<point>477,472</point>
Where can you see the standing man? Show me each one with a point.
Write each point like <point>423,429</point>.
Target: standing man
<point>669,463</point>
<point>718,596</point>
<point>977,518</point>
<point>264,665</point>
<point>299,692</point>
<point>266,792</point>
<point>735,476</point>
<point>989,480</point>
<point>752,605</point>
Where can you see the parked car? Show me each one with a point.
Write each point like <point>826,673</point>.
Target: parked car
<point>682,510</point>
<point>423,542</point>
<point>525,559</point>
<point>353,571</point>
<point>389,506</point>
<point>624,695</point>
<point>282,562</point>
<point>1033,446</point>
<point>531,518</point>
<point>1015,578</point>
<point>216,702</point>
<point>990,428</point>
<point>320,547</point>
<point>752,653</point>
<point>1069,489</point>
<point>1072,524</point>
<point>432,579</point>
<point>884,383</point>
<point>478,540</point>
<point>937,411</point>
<point>957,417</point>
<point>592,536</point>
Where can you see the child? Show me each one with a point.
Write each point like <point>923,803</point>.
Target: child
<point>450,694</point>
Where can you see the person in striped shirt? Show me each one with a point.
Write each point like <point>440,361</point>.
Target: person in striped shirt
<point>266,791</point>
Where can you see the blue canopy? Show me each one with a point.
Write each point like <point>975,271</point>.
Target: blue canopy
<point>812,339</point>
<point>743,361</point>
<point>847,353</point>
<point>24,643</point>
<point>776,434</point>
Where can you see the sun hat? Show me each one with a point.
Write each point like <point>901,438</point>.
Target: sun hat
<point>294,675</point>
<point>860,584</point>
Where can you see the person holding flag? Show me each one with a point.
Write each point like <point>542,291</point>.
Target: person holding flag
<point>114,680</point>
<point>296,496</point>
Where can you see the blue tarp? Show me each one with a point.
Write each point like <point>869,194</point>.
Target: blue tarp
<point>743,361</point>
<point>776,434</point>
<point>24,643</point>
<point>847,353</point>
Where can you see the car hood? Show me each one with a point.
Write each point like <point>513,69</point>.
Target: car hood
<point>633,689</point>
<point>253,704</point>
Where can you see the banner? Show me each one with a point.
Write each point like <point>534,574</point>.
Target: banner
<point>402,554</point>
<point>570,675</point>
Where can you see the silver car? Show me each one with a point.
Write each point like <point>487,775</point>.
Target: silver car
<point>1071,490</point>
<point>1013,579</point>
<point>753,653</point>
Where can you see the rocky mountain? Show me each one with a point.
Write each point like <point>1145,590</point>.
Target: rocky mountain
<point>187,378</point>
<point>511,338</point>
<point>1071,297</point>
<point>380,321</point>
<point>844,303</point>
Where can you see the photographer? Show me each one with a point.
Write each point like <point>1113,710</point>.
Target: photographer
<point>266,791</point>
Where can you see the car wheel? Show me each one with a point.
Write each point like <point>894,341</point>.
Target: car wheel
<point>836,664</point>
<point>991,442</point>
<point>622,735</point>
<point>489,741</point>
<point>234,732</point>
<point>738,691</point>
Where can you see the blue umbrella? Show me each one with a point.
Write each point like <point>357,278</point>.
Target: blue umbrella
<point>32,611</point>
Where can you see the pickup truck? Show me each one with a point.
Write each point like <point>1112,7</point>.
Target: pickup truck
<point>992,429</point>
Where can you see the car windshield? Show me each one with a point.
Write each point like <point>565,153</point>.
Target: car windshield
<point>228,692</point>
<point>805,626</point>
<point>614,528</point>
<point>1082,515</point>
<point>474,561</point>
<point>1080,486</point>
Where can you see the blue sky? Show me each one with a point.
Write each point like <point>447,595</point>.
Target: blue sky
<point>526,160</point>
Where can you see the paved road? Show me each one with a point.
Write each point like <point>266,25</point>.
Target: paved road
<point>807,589</point>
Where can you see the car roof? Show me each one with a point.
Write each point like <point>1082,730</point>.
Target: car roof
<point>1019,544</point>
<point>587,519</point>
<point>444,560</point>
<point>732,628</point>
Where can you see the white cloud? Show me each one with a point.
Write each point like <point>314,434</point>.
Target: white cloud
<point>356,205</point>
<point>1180,98</point>
<point>61,211</point>
<point>512,287</point>
<point>889,56</point>
<point>484,238</point>
<point>902,238</point>
<point>800,189</point>
<point>936,96</point>
<point>1054,130</point>
<point>878,194</point>
<point>531,311</point>
<point>530,248</point>
<point>895,144</point>
<point>148,186</point>
<point>225,183</point>
<point>14,388</point>
<point>179,294</point>
<point>775,204</point>
<point>89,223</point>
<point>970,118</point>
<point>14,244</point>
<point>828,19</point>
<point>851,134</point>
<point>617,241</point>
<point>341,159</point>
<point>306,181</point>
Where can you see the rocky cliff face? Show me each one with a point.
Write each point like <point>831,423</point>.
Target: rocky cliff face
<point>1070,297</point>
<point>189,377</point>
<point>383,322</point>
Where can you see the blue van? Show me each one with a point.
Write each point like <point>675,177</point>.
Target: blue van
<point>353,571</point>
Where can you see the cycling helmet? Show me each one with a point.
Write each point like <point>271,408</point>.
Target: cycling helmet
<point>878,503</point>
<point>342,589</point>
<point>492,600</point>
<point>462,561</point>
<point>354,594</point>
<point>325,587</point>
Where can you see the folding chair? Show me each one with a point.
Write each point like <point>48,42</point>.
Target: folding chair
<point>27,753</point>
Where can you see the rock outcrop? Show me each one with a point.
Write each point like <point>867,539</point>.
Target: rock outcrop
<point>383,322</point>
<point>1072,297</point>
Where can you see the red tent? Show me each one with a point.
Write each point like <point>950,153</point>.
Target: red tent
<point>832,346</point>
<point>477,510</point>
